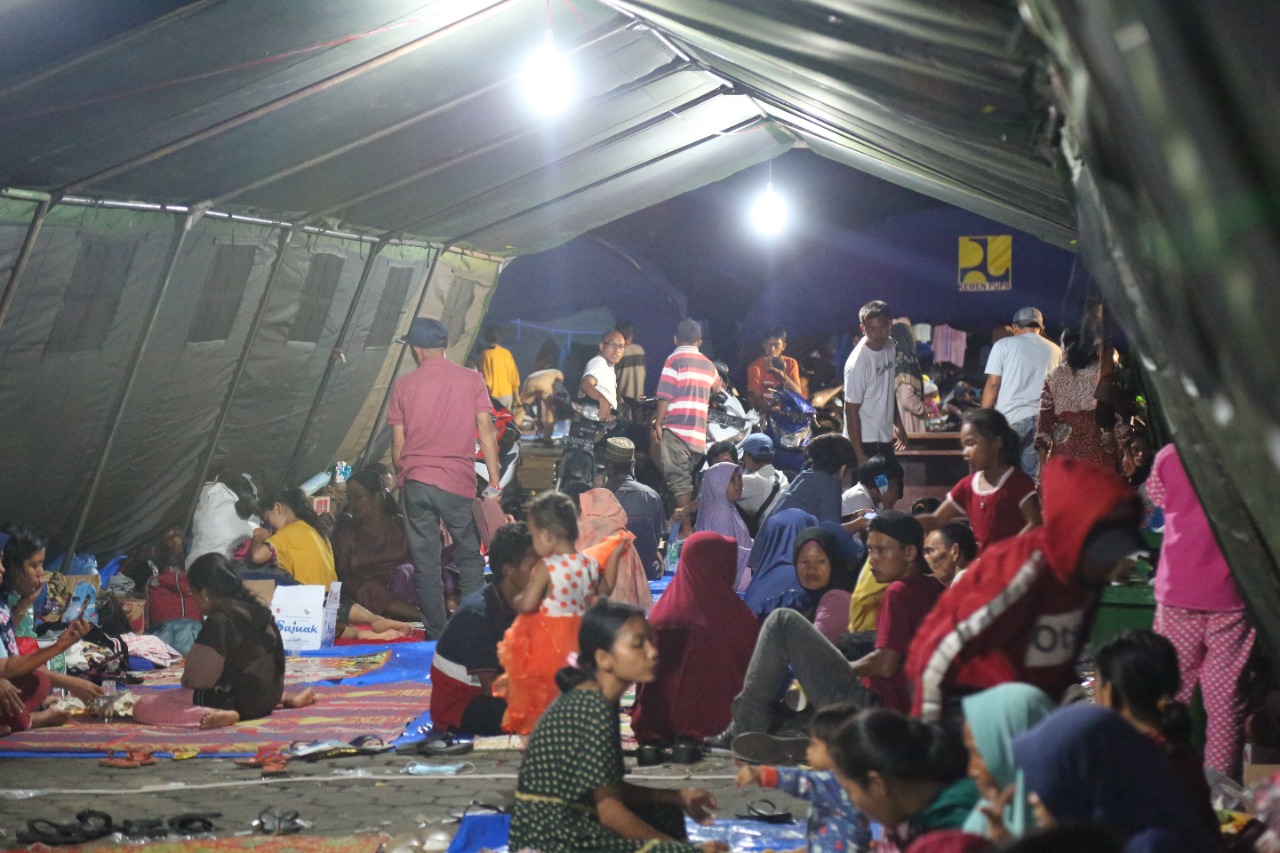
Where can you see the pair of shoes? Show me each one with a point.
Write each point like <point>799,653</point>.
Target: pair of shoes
<point>276,823</point>
<point>765,811</point>
<point>649,755</point>
<point>761,748</point>
<point>89,825</point>
<point>188,823</point>
<point>686,751</point>
<point>128,759</point>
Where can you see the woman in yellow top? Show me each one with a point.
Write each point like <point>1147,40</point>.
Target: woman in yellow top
<point>293,539</point>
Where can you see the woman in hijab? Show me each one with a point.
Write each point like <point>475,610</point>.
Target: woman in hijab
<point>992,719</point>
<point>772,561</point>
<point>705,636</point>
<point>819,568</point>
<point>908,379</point>
<point>718,513</point>
<point>602,517</point>
<point>1086,763</point>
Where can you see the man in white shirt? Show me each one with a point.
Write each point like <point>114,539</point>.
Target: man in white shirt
<point>1016,370</point>
<point>871,419</point>
<point>761,482</point>
<point>599,380</point>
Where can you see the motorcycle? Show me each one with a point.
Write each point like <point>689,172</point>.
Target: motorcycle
<point>507,435</point>
<point>728,417</point>
<point>790,422</point>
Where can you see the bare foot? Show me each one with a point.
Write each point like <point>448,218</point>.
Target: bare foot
<point>299,700</point>
<point>391,627</point>
<point>49,719</point>
<point>219,719</point>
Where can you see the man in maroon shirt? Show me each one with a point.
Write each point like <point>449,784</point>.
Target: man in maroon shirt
<point>435,414</point>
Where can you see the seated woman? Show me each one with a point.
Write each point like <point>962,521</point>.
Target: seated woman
<point>293,539</point>
<point>371,551</point>
<point>1138,677</point>
<point>24,684</point>
<point>235,670</point>
<point>1085,763</point>
<point>992,719</point>
<point>570,794</point>
<point>718,512</point>
<point>820,583</point>
<point>20,585</point>
<point>949,550</point>
<point>907,776</point>
<point>772,559</point>
<point>705,636</point>
<point>601,516</point>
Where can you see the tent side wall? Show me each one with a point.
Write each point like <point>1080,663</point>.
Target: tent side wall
<point>78,315</point>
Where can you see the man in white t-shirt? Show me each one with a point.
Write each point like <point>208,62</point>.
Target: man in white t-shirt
<point>599,380</point>
<point>762,484</point>
<point>1016,370</point>
<point>871,419</point>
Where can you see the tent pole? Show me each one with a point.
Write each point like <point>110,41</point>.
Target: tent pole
<point>282,249</point>
<point>24,254</point>
<point>334,357</point>
<point>391,383</point>
<point>180,232</point>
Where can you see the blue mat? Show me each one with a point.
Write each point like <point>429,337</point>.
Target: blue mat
<point>489,832</point>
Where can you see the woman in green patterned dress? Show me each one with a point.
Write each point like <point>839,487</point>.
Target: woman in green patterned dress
<point>570,796</point>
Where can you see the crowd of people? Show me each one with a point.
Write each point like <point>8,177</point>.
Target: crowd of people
<point>922,663</point>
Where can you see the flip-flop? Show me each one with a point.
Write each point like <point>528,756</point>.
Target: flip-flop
<point>443,744</point>
<point>318,749</point>
<point>274,823</point>
<point>369,745</point>
<point>765,811</point>
<point>145,828</point>
<point>259,759</point>
<point>143,757</point>
<point>274,765</point>
<point>124,762</point>
<point>41,831</point>
<point>193,823</point>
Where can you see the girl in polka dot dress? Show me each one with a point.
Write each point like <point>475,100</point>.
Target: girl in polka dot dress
<point>563,585</point>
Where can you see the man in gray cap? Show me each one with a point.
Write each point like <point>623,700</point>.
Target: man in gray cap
<point>435,414</point>
<point>1015,377</point>
<point>761,482</point>
<point>643,506</point>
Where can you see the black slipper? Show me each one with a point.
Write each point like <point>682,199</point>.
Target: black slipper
<point>765,811</point>
<point>145,828</point>
<point>443,744</point>
<point>273,823</point>
<point>193,823</point>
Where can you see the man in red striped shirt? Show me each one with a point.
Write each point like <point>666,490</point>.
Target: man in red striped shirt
<point>688,381</point>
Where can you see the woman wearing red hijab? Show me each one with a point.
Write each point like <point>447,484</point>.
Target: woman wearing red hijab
<point>705,636</point>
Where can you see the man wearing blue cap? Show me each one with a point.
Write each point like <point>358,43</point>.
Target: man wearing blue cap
<point>435,414</point>
<point>761,482</point>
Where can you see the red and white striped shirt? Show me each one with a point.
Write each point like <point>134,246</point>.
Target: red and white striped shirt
<point>688,381</point>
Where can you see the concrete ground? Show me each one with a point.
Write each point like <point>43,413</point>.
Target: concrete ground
<point>343,796</point>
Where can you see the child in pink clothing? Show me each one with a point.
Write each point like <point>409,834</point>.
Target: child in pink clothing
<point>1200,610</point>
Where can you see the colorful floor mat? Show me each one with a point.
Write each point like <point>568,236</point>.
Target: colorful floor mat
<point>341,713</point>
<point>489,833</point>
<point>298,670</point>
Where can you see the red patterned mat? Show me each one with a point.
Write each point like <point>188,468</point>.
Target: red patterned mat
<point>340,713</point>
<point>297,670</point>
<point>259,844</point>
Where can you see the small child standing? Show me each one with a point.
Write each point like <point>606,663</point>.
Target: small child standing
<point>835,826</point>
<point>563,585</point>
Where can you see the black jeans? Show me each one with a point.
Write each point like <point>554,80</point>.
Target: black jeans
<point>425,507</point>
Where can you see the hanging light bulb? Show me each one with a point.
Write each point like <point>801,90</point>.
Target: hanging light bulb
<point>769,212</point>
<point>547,78</point>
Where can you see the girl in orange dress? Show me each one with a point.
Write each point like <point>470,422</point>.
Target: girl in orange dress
<point>563,585</point>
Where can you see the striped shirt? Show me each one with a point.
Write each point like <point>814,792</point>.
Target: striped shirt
<point>688,381</point>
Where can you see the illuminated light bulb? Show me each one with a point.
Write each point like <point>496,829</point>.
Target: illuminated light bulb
<point>769,212</point>
<point>547,79</point>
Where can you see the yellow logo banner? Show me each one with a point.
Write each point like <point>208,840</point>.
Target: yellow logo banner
<point>986,263</point>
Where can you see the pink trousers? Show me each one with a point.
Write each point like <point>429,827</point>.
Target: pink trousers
<point>170,707</point>
<point>1213,648</point>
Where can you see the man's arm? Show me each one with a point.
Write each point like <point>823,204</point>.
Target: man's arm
<point>397,445</point>
<point>658,417</point>
<point>488,446</point>
<point>991,391</point>
<point>587,387</point>
<point>853,426</point>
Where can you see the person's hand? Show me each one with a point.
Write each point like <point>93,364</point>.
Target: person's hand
<point>606,411</point>
<point>73,634</point>
<point>10,699</point>
<point>713,847</point>
<point>261,534</point>
<point>899,439</point>
<point>699,805</point>
<point>748,774</point>
<point>993,810</point>
<point>84,690</point>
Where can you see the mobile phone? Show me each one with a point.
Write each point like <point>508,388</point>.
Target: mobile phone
<point>778,363</point>
<point>870,514</point>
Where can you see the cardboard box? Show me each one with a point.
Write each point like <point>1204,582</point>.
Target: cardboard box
<point>263,590</point>
<point>1255,773</point>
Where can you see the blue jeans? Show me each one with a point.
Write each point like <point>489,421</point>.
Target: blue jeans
<point>1029,459</point>
<point>424,508</point>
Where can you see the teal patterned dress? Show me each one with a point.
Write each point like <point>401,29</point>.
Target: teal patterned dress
<point>575,748</point>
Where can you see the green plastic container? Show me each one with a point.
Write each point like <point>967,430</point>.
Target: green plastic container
<point>1124,608</point>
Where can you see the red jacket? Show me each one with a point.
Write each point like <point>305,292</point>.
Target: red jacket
<point>1021,612</point>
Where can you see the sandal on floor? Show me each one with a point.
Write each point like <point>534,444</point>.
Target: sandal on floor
<point>145,828</point>
<point>89,825</point>
<point>443,744</point>
<point>318,749</point>
<point>369,745</point>
<point>765,811</point>
<point>274,765</point>
<point>143,757</point>
<point>193,823</point>
<point>274,823</point>
<point>123,762</point>
<point>260,758</point>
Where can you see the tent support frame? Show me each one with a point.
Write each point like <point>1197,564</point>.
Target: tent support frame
<point>391,383</point>
<point>24,254</point>
<point>182,228</point>
<point>283,243</point>
<point>334,357</point>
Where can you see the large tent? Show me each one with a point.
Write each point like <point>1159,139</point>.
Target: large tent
<point>208,200</point>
